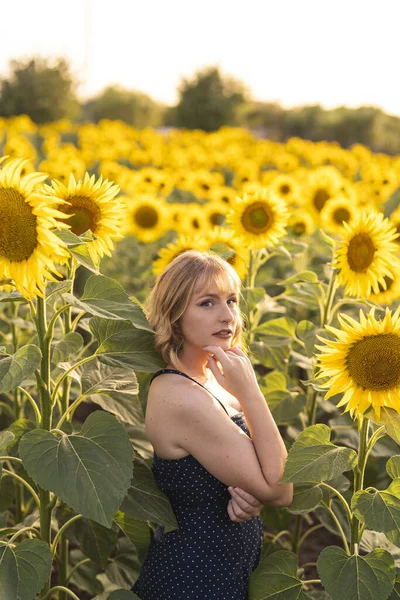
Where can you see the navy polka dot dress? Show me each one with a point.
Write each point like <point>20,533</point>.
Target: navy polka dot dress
<point>209,557</point>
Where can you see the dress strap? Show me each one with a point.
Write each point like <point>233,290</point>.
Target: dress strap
<point>161,371</point>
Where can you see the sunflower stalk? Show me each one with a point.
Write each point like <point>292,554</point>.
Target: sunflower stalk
<point>359,471</point>
<point>44,382</point>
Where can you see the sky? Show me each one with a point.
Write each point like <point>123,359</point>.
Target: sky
<point>342,52</point>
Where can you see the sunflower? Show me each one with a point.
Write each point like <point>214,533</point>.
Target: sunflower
<point>367,254</point>
<point>286,186</point>
<point>28,246</point>
<point>215,213</point>
<point>260,218</point>
<point>173,249</point>
<point>323,183</point>
<point>194,219</point>
<point>91,205</point>
<point>392,290</point>
<point>147,218</point>
<point>363,362</point>
<point>223,193</point>
<point>335,212</point>
<point>395,220</point>
<point>226,237</point>
<point>301,223</point>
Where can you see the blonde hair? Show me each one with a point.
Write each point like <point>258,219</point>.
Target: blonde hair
<point>171,294</point>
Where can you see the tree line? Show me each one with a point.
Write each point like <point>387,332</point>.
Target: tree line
<point>47,91</point>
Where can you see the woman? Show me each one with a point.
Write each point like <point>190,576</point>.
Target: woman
<point>211,431</point>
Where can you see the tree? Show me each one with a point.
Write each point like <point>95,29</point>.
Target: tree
<point>43,89</point>
<point>209,100</point>
<point>135,108</point>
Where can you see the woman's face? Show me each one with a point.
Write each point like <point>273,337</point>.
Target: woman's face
<point>210,310</point>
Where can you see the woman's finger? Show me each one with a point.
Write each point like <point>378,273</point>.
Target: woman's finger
<point>242,504</point>
<point>239,512</point>
<point>252,500</point>
<point>231,513</point>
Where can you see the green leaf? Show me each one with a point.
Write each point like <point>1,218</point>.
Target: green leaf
<point>275,578</point>
<point>98,378</point>
<point>124,565</point>
<point>368,577</point>
<point>96,541</point>
<point>6,437</point>
<point>307,332</point>
<point>79,249</point>
<point>103,297</point>
<point>252,296</point>
<point>272,358</point>
<point>309,276</point>
<point>393,466</point>
<point>390,419</point>
<point>90,471</point>
<point>278,332</point>
<point>395,595</point>
<point>145,501</point>
<point>122,345</point>
<point>63,349</point>
<point>137,531</point>
<point>287,408</point>
<point>313,458</point>
<point>380,510</point>
<point>24,569</point>
<point>305,499</point>
<point>18,367</point>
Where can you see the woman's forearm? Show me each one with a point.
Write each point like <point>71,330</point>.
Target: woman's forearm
<point>267,440</point>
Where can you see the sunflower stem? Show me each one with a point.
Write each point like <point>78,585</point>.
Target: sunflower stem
<point>296,535</point>
<point>359,479</point>
<point>326,316</point>
<point>67,329</point>
<point>44,381</point>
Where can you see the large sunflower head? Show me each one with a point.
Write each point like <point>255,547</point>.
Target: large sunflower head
<point>363,362</point>
<point>91,205</point>
<point>226,237</point>
<point>367,254</point>
<point>260,218</point>
<point>28,246</point>
<point>181,244</point>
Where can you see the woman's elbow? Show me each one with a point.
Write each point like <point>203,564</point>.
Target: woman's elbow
<point>283,498</point>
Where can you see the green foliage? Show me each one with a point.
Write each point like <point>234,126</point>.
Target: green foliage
<point>40,88</point>
<point>368,577</point>
<point>18,367</point>
<point>208,101</point>
<point>276,577</point>
<point>313,458</point>
<point>135,108</point>
<point>24,569</point>
<point>98,460</point>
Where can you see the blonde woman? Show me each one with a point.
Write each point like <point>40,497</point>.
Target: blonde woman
<point>218,454</point>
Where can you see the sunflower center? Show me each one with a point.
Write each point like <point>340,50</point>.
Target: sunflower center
<point>299,227</point>
<point>360,253</point>
<point>340,215</point>
<point>216,218</point>
<point>146,217</point>
<point>374,362</point>
<point>320,197</point>
<point>18,236</point>
<point>257,218</point>
<point>284,189</point>
<point>85,214</point>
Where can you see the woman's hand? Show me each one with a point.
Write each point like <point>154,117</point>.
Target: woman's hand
<point>243,506</point>
<point>233,371</point>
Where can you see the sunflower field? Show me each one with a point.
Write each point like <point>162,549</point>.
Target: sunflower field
<point>89,216</point>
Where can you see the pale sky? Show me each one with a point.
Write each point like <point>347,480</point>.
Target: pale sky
<point>290,51</point>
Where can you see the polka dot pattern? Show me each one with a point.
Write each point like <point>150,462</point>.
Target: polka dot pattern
<point>208,557</point>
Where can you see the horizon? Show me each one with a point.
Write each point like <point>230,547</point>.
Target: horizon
<point>286,54</point>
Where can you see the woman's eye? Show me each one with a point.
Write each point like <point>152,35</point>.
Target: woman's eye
<point>207,301</point>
